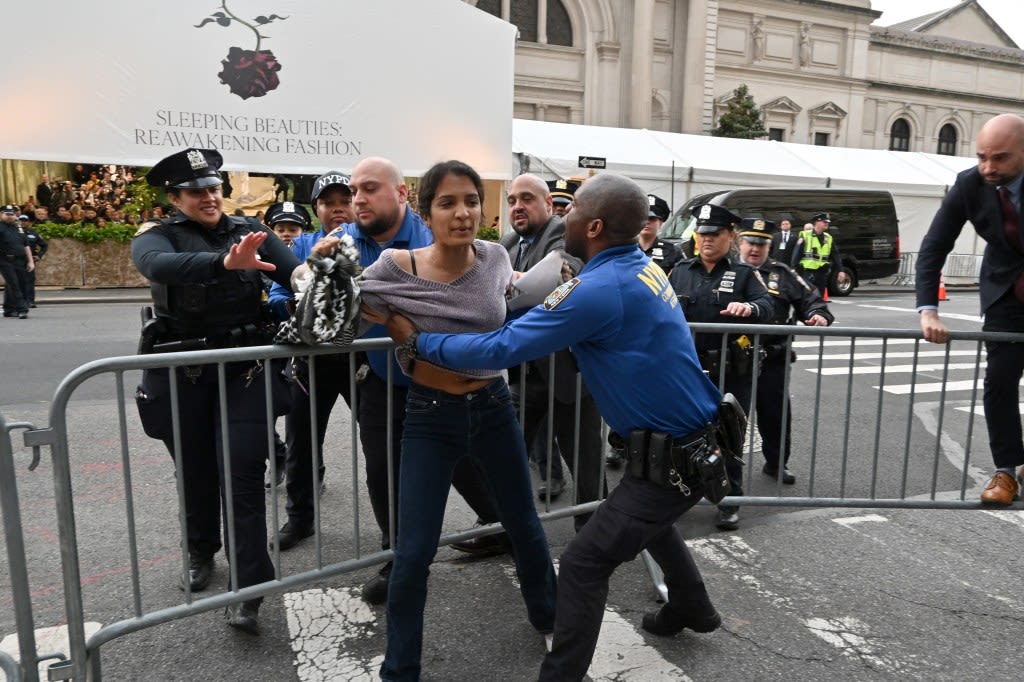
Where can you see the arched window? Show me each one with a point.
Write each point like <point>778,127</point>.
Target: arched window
<point>947,140</point>
<point>526,14</point>
<point>899,135</point>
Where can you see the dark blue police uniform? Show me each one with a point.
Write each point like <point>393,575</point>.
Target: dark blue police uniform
<point>13,264</point>
<point>39,247</point>
<point>794,299</point>
<point>622,322</point>
<point>704,294</point>
<point>198,303</point>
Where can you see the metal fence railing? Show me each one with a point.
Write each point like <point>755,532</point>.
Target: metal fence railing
<point>856,442</point>
<point>963,266</point>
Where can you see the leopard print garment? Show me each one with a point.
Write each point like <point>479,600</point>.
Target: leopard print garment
<point>328,310</point>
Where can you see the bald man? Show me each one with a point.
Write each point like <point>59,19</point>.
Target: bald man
<point>537,231</point>
<point>635,351</point>
<point>988,195</point>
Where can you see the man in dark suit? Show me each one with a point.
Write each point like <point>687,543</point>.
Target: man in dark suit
<point>783,242</point>
<point>537,231</point>
<point>988,195</point>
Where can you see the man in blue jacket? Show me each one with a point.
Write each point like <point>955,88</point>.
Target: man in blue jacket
<point>623,323</point>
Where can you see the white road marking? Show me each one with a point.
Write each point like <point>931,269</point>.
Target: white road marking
<point>878,356</point>
<point>935,387</point>
<point>867,518</point>
<point>950,316</point>
<point>1014,517</point>
<point>892,369</point>
<point>50,640</point>
<point>852,638</point>
<point>846,342</point>
<point>622,653</point>
<point>322,622</point>
<point>980,410</point>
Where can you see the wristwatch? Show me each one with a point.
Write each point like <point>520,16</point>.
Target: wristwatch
<point>410,344</point>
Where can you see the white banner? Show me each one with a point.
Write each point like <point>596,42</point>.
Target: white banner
<point>295,86</point>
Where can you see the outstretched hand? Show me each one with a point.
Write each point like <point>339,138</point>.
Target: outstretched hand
<point>243,255</point>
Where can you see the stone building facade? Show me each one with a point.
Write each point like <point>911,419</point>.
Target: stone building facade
<point>818,68</point>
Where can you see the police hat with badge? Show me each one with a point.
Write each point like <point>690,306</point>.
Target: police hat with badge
<point>188,169</point>
<point>712,218</point>
<point>824,217</point>
<point>288,212</point>
<point>11,209</point>
<point>327,180</point>
<point>757,230</point>
<point>657,208</point>
<point>562,191</point>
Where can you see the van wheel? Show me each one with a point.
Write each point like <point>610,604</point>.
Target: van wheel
<point>847,287</point>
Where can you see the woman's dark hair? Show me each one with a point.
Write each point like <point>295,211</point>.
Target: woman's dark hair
<point>431,180</point>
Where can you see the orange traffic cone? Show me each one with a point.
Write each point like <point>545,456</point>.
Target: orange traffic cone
<point>942,287</point>
<point>825,295</point>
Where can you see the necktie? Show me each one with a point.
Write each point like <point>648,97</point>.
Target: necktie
<point>524,246</point>
<point>1010,225</point>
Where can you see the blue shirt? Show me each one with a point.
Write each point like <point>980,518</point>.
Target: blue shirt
<point>622,321</point>
<point>413,234</point>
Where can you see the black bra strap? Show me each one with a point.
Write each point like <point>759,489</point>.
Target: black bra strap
<point>412,260</point>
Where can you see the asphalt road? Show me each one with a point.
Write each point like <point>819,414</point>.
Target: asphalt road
<point>811,594</point>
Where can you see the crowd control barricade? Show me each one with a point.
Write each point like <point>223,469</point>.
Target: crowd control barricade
<point>876,443</point>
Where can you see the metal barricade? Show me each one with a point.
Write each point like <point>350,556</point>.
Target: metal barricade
<point>873,459</point>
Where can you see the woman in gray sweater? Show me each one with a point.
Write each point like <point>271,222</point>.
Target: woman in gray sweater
<point>457,284</point>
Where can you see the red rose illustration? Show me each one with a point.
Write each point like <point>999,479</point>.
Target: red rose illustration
<point>250,73</point>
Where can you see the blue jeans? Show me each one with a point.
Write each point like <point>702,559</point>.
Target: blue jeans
<point>440,429</point>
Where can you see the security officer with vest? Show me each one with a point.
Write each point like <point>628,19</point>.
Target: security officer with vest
<point>716,287</point>
<point>816,255</point>
<point>562,192</point>
<point>204,268</point>
<point>795,300</point>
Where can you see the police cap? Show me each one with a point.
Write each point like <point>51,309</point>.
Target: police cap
<point>188,169</point>
<point>712,218</point>
<point>657,208</point>
<point>9,208</point>
<point>330,179</point>
<point>562,191</point>
<point>757,230</point>
<point>23,217</point>
<point>822,216</point>
<point>287,212</point>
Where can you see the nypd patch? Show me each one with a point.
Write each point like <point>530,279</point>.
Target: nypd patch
<point>560,294</point>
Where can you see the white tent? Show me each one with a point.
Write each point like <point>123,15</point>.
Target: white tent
<point>677,167</point>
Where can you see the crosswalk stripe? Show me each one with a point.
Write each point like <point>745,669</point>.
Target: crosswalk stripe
<point>879,356</point>
<point>846,342</point>
<point>934,387</point>
<point>980,410</point>
<point>892,369</point>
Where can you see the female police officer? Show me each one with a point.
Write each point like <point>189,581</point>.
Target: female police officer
<point>204,268</point>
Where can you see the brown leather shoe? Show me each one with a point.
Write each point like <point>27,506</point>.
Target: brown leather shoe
<point>1001,490</point>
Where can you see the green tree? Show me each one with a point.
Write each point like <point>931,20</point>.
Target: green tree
<point>743,119</point>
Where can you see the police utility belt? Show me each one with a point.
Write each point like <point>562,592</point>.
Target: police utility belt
<point>739,357</point>
<point>156,337</point>
<point>696,460</point>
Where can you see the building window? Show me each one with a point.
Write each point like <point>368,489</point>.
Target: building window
<point>947,140</point>
<point>777,134</point>
<point>525,14</point>
<point>899,136</point>
<point>821,139</point>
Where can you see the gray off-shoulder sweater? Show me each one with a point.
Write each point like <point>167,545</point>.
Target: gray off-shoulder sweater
<point>475,302</point>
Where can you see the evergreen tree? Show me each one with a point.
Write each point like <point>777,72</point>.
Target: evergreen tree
<point>743,119</point>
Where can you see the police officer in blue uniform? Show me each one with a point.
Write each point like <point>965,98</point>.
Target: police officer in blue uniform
<point>716,287</point>
<point>562,192</point>
<point>795,300</point>
<point>38,246</point>
<point>15,263</point>
<point>205,280</point>
<point>666,254</point>
<point>624,325</point>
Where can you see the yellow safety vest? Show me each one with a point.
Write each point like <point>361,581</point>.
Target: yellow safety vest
<point>815,257</point>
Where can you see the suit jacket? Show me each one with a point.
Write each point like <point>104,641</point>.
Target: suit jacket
<point>776,251</point>
<point>970,198</point>
<point>550,238</point>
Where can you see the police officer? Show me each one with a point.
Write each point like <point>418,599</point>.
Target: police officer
<point>15,262</point>
<point>562,192</point>
<point>38,246</point>
<point>716,287</point>
<point>617,309</point>
<point>204,268</point>
<point>666,254</point>
<point>795,300</point>
<point>816,254</point>
<point>332,202</point>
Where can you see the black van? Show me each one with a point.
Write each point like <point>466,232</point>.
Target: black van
<point>864,224</point>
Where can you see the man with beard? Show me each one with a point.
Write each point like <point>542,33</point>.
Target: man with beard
<point>989,195</point>
<point>536,233</point>
<point>619,308</point>
<point>384,220</point>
